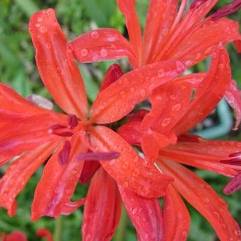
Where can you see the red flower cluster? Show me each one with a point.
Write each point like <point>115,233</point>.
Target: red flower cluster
<point>140,161</point>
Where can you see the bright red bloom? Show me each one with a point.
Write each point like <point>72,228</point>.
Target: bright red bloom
<point>171,32</point>
<point>69,139</point>
<point>20,236</point>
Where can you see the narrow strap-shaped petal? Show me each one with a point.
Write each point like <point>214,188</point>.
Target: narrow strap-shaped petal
<point>58,181</point>
<point>175,216</point>
<point>102,44</point>
<point>120,98</point>
<point>102,208</point>
<point>201,42</point>
<point>56,63</point>
<point>209,93</point>
<point>129,170</point>
<point>145,215</point>
<point>233,97</point>
<point>18,174</point>
<point>127,7</point>
<point>23,134</point>
<point>160,17</point>
<point>203,198</point>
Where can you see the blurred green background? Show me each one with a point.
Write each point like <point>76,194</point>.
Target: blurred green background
<point>17,68</point>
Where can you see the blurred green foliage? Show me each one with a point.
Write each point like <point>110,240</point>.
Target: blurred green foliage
<point>17,68</point>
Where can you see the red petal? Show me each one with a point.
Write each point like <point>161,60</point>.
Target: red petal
<point>56,63</point>
<point>209,92</point>
<point>202,197</point>
<point>102,208</point>
<point>202,41</point>
<point>15,236</point>
<point>129,170</point>
<point>127,7</point>
<point>54,191</point>
<point>121,97</point>
<point>112,75</point>
<point>189,23</point>
<point>44,233</point>
<point>176,217</point>
<point>102,44</point>
<point>161,14</point>
<point>237,44</point>
<point>233,97</point>
<point>145,215</point>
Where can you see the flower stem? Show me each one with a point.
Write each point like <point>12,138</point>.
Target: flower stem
<point>120,233</point>
<point>58,229</point>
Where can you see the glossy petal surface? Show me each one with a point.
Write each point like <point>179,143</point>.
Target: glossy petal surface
<point>56,63</point>
<point>132,88</point>
<point>102,208</point>
<point>203,198</point>
<point>145,215</point>
<point>175,216</point>
<point>101,44</point>
<point>57,184</point>
<point>129,170</point>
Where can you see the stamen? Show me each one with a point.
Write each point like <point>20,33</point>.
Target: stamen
<point>60,130</point>
<point>234,185</point>
<point>73,121</point>
<point>64,153</point>
<point>235,159</point>
<point>227,10</point>
<point>98,156</point>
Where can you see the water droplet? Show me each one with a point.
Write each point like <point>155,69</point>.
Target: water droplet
<point>165,122</point>
<point>84,52</point>
<point>39,19</point>
<point>42,29</point>
<point>173,97</point>
<point>103,52</point>
<point>94,35</point>
<point>176,107</point>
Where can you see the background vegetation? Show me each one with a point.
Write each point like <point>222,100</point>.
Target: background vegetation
<point>17,68</point>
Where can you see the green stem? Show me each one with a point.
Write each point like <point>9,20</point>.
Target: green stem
<point>120,233</point>
<point>58,229</point>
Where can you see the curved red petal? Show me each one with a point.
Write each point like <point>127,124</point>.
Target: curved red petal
<point>208,93</point>
<point>204,39</point>
<point>56,63</point>
<point>102,208</point>
<point>160,17</point>
<point>58,182</point>
<point>18,174</point>
<point>202,197</point>
<point>44,233</point>
<point>101,44</point>
<point>175,216</point>
<point>129,170</point>
<point>145,215</point>
<point>233,97</point>
<point>127,7</point>
<point>121,97</point>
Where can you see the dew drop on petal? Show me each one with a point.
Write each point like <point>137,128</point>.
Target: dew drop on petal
<point>94,35</point>
<point>84,52</point>
<point>103,52</point>
<point>165,122</point>
<point>176,107</point>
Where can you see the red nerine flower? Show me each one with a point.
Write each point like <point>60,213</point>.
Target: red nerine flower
<point>81,143</point>
<point>172,31</point>
<point>20,236</point>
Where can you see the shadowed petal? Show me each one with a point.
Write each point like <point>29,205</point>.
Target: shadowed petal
<point>120,98</point>
<point>129,170</point>
<point>102,208</point>
<point>234,185</point>
<point>56,63</point>
<point>57,185</point>
<point>88,171</point>
<point>18,174</point>
<point>102,44</point>
<point>175,216</point>
<point>202,197</point>
<point>233,97</point>
<point>145,215</point>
